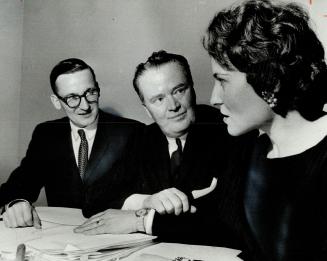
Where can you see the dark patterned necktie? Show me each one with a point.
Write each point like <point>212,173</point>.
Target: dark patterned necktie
<point>176,159</point>
<point>82,153</point>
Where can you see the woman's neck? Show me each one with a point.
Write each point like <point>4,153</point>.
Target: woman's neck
<point>294,134</point>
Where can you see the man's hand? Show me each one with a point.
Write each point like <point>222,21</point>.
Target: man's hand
<point>111,221</point>
<point>21,214</point>
<point>169,201</point>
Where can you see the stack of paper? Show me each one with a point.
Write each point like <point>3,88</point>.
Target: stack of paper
<point>57,241</point>
<point>61,243</point>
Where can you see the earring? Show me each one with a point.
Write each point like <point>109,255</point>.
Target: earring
<point>270,98</point>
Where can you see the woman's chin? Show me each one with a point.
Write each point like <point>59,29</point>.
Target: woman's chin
<point>234,130</point>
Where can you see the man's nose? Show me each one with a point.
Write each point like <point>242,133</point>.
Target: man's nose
<point>215,99</point>
<point>84,105</point>
<point>173,103</point>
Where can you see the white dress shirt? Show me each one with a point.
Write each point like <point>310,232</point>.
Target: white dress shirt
<point>90,132</point>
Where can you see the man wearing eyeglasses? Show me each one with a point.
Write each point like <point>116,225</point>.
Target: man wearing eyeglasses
<point>66,156</point>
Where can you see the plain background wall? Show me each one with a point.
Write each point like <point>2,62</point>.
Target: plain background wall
<point>113,36</point>
<point>11,26</point>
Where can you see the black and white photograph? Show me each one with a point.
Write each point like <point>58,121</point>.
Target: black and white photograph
<point>163,130</point>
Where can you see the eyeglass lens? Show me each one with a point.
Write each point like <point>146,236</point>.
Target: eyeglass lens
<point>90,96</point>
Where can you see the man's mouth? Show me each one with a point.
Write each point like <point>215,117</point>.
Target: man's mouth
<point>178,116</point>
<point>85,113</point>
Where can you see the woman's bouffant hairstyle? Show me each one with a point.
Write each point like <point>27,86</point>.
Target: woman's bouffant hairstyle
<point>274,45</point>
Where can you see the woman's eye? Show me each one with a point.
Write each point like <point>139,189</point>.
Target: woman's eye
<point>221,80</point>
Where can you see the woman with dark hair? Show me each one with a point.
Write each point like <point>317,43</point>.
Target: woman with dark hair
<point>270,75</point>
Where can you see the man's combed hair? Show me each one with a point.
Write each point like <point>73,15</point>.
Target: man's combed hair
<point>275,46</point>
<point>67,66</point>
<point>157,59</point>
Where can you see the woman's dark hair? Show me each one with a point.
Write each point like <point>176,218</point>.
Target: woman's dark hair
<point>274,45</point>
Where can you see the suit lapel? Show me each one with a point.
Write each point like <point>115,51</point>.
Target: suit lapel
<point>188,159</point>
<point>160,155</point>
<point>101,142</point>
<point>64,146</point>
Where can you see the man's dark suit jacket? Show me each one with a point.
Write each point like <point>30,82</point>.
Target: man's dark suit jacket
<point>146,169</point>
<point>50,162</point>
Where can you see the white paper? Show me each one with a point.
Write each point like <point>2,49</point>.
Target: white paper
<point>57,241</point>
<point>205,253</point>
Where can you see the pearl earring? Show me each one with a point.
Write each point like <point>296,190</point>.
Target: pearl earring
<point>270,98</point>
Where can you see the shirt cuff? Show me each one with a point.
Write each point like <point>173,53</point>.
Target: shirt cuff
<point>13,202</point>
<point>134,202</point>
<point>202,192</point>
<point>148,221</point>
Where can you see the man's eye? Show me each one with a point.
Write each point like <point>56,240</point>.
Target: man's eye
<point>181,90</point>
<point>157,100</point>
<point>92,92</point>
<point>72,98</point>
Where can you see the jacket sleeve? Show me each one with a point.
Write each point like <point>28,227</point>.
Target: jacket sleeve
<point>202,227</point>
<point>27,179</point>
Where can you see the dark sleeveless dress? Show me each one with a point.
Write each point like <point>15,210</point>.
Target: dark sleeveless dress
<point>285,203</point>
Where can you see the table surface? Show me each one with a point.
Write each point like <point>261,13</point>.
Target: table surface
<point>58,224</point>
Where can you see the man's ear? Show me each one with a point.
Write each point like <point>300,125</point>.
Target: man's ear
<point>147,111</point>
<point>55,101</point>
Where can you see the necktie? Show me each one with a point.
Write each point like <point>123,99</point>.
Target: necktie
<point>82,153</point>
<point>176,159</point>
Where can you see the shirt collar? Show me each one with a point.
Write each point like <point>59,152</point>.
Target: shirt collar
<point>172,141</point>
<point>89,130</point>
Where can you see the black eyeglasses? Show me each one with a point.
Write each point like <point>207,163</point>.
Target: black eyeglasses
<point>74,100</point>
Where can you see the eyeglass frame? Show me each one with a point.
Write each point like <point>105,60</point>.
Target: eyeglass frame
<point>64,99</point>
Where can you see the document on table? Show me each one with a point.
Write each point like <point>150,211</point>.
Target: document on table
<point>193,252</point>
<point>57,241</point>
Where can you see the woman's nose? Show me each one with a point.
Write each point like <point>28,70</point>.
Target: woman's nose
<point>215,99</point>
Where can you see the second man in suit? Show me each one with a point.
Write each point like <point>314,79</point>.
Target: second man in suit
<point>173,161</point>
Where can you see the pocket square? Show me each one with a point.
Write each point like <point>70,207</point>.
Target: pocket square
<point>205,191</point>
